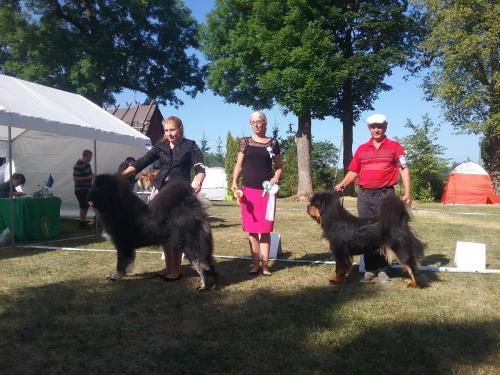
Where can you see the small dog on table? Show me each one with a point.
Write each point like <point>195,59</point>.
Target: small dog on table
<point>147,180</point>
<point>389,233</point>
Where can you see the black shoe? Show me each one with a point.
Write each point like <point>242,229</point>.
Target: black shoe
<point>253,273</point>
<point>84,225</point>
<point>171,279</point>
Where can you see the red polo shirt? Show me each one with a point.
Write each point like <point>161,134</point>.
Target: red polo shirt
<point>377,169</point>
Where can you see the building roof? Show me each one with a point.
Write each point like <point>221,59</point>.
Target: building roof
<point>139,117</point>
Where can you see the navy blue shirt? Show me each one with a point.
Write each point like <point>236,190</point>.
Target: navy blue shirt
<point>174,163</point>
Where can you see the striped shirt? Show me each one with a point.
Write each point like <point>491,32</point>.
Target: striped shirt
<point>377,169</point>
<point>82,169</point>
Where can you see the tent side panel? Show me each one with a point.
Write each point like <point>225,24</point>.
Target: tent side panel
<point>39,154</point>
<point>468,189</point>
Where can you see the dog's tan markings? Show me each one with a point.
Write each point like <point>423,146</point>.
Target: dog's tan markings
<point>342,270</point>
<point>339,276</point>
<point>411,282</point>
<point>325,242</point>
<point>314,212</point>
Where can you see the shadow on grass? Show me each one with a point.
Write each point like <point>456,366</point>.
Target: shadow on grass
<point>424,278</point>
<point>144,326</point>
<point>439,260</point>
<point>82,238</point>
<point>218,223</point>
<point>224,204</point>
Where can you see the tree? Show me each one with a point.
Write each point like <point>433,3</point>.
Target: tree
<point>220,152</point>
<point>204,147</point>
<point>97,48</point>
<point>463,49</point>
<point>312,58</point>
<point>324,158</point>
<point>232,149</point>
<point>424,156</point>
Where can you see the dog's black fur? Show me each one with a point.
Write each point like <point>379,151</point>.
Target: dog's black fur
<point>349,235</point>
<point>174,219</point>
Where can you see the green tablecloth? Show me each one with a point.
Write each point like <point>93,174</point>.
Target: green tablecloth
<point>35,218</point>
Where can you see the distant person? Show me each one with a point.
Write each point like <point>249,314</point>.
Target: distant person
<point>375,165</point>
<point>16,180</point>
<point>255,162</point>
<point>124,165</point>
<point>83,176</point>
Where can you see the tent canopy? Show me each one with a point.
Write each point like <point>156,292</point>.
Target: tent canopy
<point>469,183</point>
<point>29,106</point>
<point>49,130</point>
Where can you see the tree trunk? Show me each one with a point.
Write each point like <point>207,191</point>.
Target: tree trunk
<point>303,142</point>
<point>347,126</point>
<point>495,162</point>
<point>347,101</point>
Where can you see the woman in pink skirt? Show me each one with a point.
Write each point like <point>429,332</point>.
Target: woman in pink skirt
<point>255,162</point>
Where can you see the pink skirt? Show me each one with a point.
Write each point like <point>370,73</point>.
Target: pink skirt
<point>253,211</point>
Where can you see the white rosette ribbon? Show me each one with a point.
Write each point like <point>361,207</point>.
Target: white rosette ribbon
<point>271,203</point>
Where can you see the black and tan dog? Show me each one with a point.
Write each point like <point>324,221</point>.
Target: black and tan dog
<point>389,234</point>
<point>174,219</point>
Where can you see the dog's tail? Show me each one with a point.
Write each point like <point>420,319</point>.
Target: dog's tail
<point>204,201</point>
<point>394,214</point>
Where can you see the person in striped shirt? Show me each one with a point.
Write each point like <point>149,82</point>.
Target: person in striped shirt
<point>83,176</point>
<point>376,165</point>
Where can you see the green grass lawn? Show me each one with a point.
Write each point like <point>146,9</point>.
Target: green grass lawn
<point>59,315</point>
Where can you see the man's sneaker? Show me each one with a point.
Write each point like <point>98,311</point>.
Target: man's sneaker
<point>383,278</point>
<point>367,277</point>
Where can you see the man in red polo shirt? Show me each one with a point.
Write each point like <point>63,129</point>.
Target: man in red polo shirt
<point>376,165</point>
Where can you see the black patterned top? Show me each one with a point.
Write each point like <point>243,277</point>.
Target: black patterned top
<point>82,169</point>
<point>258,161</point>
<point>174,163</point>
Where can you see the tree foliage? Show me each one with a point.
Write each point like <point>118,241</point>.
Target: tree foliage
<point>232,149</point>
<point>463,49</point>
<point>97,48</point>
<point>212,159</point>
<point>428,167</point>
<point>313,58</point>
<point>324,158</point>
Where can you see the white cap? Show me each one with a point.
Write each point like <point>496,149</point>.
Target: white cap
<point>376,119</point>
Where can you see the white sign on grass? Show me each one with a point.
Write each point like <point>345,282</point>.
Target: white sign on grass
<point>470,256</point>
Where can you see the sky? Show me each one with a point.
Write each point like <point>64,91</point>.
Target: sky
<point>208,114</point>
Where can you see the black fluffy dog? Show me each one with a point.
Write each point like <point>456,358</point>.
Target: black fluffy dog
<point>175,219</point>
<point>349,235</point>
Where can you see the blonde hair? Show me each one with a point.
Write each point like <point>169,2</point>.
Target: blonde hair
<point>178,123</point>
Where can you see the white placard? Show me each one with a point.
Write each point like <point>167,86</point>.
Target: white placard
<point>470,256</point>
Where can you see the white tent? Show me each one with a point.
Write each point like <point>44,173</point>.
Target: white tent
<point>50,128</point>
<point>215,184</point>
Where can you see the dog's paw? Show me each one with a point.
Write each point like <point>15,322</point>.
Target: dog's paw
<point>335,281</point>
<point>115,276</point>
<point>206,286</point>
<point>411,283</point>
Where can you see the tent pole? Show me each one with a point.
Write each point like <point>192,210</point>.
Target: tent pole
<point>95,173</point>
<point>11,198</point>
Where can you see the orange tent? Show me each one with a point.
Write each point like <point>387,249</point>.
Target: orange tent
<point>469,183</point>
